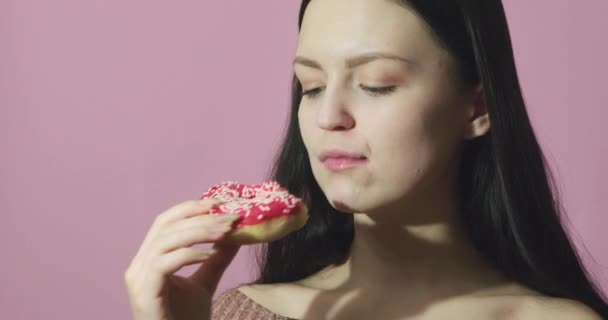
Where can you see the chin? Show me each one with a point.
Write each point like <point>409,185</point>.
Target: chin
<point>347,193</point>
<point>351,205</point>
<point>342,206</point>
<point>355,200</point>
<point>343,195</point>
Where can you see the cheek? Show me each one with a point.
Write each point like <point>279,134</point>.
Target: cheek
<point>403,144</point>
<point>413,142</point>
<point>305,119</point>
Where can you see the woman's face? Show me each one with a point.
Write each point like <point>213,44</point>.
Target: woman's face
<point>409,132</point>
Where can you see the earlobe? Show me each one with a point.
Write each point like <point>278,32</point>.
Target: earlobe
<point>478,127</point>
<point>478,117</point>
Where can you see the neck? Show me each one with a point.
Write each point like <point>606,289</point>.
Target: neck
<point>435,258</point>
<point>420,248</point>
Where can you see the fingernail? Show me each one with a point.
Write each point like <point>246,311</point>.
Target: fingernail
<point>223,227</point>
<point>218,233</point>
<point>207,200</point>
<point>206,252</point>
<point>227,217</point>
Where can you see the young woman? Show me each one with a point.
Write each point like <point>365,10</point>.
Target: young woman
<point>429,195</point>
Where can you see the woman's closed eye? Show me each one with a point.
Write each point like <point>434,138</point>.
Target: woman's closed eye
<point>374,91</point>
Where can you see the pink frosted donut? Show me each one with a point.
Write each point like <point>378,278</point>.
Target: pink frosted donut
<point>267,211</point>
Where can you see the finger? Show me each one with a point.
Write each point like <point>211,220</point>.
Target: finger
<point>202,222</point>
<point>186,209</point>
<point>152,282</point>
<point>182,210</point>
<point>209,273</point>
<point>169,263</point>
<point>188,237</point>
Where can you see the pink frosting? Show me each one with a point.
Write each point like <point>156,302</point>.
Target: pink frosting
<point>255,203</point>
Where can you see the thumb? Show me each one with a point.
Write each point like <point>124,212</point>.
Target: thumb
<point>210,272</point>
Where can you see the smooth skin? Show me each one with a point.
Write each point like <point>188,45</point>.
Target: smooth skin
<point>410,257</point>
<point>155,293</point>
<point>410,116</point>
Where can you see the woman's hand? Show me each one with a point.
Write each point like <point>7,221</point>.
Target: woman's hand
<point>155,293</point>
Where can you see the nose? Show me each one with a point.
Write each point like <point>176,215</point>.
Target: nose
<point>334,113</point>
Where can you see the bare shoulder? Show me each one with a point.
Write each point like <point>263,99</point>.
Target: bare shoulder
<point>257,290</point>
<point>515,301</point>
<point>281,289</point>
<point>556,309</point>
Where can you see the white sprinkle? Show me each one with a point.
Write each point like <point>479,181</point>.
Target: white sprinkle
<point>260,216</point>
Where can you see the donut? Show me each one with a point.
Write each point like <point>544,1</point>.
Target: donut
<point>267,211</point>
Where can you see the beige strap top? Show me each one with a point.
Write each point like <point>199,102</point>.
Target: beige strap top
<point>235,305</point>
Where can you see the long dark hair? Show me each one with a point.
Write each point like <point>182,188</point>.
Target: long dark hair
<point>509,198</point>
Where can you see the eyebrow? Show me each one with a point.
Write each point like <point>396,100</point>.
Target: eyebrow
<point>355,61</point>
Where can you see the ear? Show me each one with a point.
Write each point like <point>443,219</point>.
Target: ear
<point>478,119</point>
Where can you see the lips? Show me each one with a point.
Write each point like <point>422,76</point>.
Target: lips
<point>338,160</point>
<point>339,164</point>
<point>340,154</point>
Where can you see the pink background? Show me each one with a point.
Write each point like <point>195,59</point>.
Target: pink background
<point>113,111</point>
